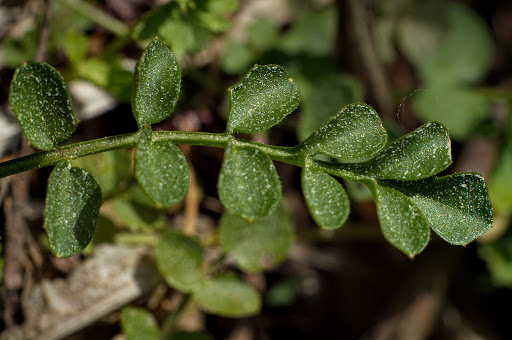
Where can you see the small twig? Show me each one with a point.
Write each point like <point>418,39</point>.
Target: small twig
<point>44,33</point>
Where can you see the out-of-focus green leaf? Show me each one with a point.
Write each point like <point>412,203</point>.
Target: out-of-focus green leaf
<point>40,100</point>
<point>248,184</point>
<point>500,184</point>
<point>355,133</point>
<point>156,84</point>
<point>137,324</point>
<point>236,57</point>
<point>262,34</point>
<point>325,97</point>
<point>465,51</point>
<point>459,109</point>
<point>419,39</point>
<point>76,46</point>
<point>228,296</point>
<point>262,99</point>
<point>73,200</point>
<point>109,168</point>
<point>319,41</point>
<point>179,259</point>
<point>498,257</point>
<point>134,215</point>
<point>161,169</point>
<point>258,245</point>
<point>326,199</point>
<point>184,335</point>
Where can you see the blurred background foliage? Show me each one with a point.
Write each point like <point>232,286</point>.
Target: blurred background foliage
<point>413,60</point>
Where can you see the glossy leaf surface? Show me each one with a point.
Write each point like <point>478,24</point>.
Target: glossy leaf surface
<point>258,245</point>
<point>137,323</point>
<point>179,259</point>
<point>262,99</point>
<point>326,199</point>
<point>249,185</point>
<point>73,200</point>
<point>40,100</point>
<point>353,134</point>
<point>161,169</point>
<point>228,296</point>
<point>456,207</point>
<point>156,86</point>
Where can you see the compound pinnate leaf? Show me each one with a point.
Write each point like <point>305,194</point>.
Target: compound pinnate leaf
<point>355,133</point>
<point>137,323</point>
<point>73,200</point>
<point>258,245</point>
<point>249,185</point>
<point>456,207</point>
<point>228,296</point>
<point>422,153</point>
<point>156,85</point>
<point>40,100</point>
<point>402,222</point>
<point>161,169</point>
<point>179,259</point>
<point>262,99</point>
<point>326,199</point>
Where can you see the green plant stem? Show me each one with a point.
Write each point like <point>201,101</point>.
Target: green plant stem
<point>69,152</point>
<point>169,322</point>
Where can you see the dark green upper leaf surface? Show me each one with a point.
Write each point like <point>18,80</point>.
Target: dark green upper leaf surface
<point>355,133</point>
<point>156,86</point>
<point>40,100</point>
<point>258,245</point>
<point>249,185</point>
<point>325,197</point>
<point>262,99</point>
<point>179,259</point>
<point>73,200</point>
<point>456,207</point>
<point>228,296</point>
<point>422,153</point>
<point>137,324</point>
<point>402,223</point>
<point>161,169</point>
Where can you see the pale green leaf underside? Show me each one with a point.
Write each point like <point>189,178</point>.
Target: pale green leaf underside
<point>179,259</point>
<point>161,169</point>
<point>249,185</point>
<point>40,100</point>
<point>228,296</point>
<point>259,245</point>
<point>355,133</point>
<point>326,199</point>
<point>73,200</point>
<point>156,85</point>
<point>456,207</point>
<point>137,324</point>
<point>262,99</point>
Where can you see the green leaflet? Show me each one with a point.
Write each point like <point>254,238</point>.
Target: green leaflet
<point>137,324</point>
<point>402,223</point>
<point>228,296</point>
<point>258,245</point>
<point>456,207</point>
<point>156,84</point>
<point>249,185</point>
<point>326,199</point>
<point>161,169</point>
<point>354,134</point>
<point>262,99</point>
<point>179,259</point>
<point>73,200</point>
<point>40,100</point>
<point>422,153</point>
